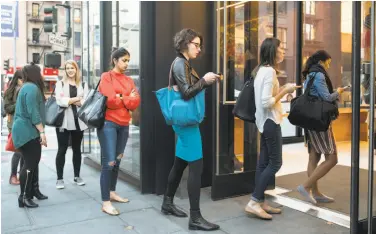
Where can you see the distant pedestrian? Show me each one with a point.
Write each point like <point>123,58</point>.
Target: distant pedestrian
<point>28,133</point>
<point>122,97</point>
<point>70,94</point>
<point>10,98</point>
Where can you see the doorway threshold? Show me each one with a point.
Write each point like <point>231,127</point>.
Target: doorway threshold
<point>332,217</point>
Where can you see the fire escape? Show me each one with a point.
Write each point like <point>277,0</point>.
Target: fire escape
<point>35,41</point>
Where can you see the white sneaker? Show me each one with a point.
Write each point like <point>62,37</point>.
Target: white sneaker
<point>79,181</point>
<point>60,184</point>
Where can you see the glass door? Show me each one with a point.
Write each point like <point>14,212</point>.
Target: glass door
<point>241,28</point>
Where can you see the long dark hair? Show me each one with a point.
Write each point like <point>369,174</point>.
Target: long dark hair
<point>9,93</point>
<point>320,55</point>
<point>32,74</point>
<point>118,53</point>
<point>268,54</point>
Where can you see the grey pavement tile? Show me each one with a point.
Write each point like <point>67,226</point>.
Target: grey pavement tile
<point>108,225</point>
<point>11,215</point>
<point>7,188</point>
<point>290,222</point>
<point>216,211</point>
<point>149,221</point>
<point>55,196</point>
<point>93,185</point>
<point>65,213</point>
<point>183,223</point>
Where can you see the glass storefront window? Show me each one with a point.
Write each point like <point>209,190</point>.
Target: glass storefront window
<point>129,38</point>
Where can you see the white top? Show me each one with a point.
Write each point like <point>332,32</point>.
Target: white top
<point>266,88</point>
<point>62,99</point>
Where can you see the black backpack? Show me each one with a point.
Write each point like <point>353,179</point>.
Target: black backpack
<point>245,107</point>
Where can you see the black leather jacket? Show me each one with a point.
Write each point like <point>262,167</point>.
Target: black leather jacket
<point>186,78</point>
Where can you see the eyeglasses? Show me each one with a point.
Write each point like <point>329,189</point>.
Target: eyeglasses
<point>198,46</point>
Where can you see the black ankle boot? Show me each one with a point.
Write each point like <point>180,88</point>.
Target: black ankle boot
<point>36,193</point>
<point>168,207</point>
<point>197,222</point>
<point>22,202</point>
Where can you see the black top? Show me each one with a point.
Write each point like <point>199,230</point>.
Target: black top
<point>73,93</point>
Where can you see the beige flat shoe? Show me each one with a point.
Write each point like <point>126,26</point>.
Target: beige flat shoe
<point>117,198</point>
<point>110,210</point>
<point>254,208</point>
<point>270,210</point>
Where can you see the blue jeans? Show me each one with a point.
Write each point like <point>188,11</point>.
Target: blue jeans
<point>113,139</point>
<point>270,160</point>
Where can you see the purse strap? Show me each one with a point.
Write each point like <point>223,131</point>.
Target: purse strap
<point>310,83</point>
<point>170,75</point>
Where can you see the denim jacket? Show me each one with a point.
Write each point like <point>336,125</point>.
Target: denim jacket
<point>320,88</point>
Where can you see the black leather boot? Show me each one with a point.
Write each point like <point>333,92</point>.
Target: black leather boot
<point>197,222</point>
<point>35,192</point>
<point>28,202</point>
<point>168,207</point>
<point>25,198</point>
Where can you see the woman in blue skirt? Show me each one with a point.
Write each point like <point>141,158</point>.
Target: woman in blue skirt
<point>188,44</point>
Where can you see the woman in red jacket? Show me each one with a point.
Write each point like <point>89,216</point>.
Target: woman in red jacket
<point>122,97</point>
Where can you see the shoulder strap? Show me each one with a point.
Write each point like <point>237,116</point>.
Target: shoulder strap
<point>170,75</point>
<point>310,83</point>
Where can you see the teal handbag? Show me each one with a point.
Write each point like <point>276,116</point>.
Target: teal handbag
<point>178,111</point>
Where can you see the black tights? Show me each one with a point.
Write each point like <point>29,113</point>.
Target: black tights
<point>63,142</point>
<point>194,180</point>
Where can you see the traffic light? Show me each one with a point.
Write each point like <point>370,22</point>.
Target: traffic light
<point>6,64</point>
<point>50,20</point>
<point>52,60</point>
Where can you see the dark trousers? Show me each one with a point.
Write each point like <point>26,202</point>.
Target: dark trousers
<point>194,180</point>
<point>31,152</point>
<point>270,160</point>
<point>17,158</point>
<point>63,141</point>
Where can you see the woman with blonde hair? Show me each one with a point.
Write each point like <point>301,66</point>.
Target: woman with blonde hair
<point>70,93</point>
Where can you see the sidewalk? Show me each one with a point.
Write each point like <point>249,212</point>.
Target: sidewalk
<point>77,209</point>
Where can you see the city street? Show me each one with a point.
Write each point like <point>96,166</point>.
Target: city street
<point>77,209</point>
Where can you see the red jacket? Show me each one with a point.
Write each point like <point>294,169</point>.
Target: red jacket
<point>113,83</point>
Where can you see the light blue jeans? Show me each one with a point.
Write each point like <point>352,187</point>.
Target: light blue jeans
<point>113,139</point>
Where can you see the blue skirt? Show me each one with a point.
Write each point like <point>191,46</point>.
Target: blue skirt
<point>189,145</point>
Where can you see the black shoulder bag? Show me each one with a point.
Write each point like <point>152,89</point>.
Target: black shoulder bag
<point>54,112</point>
<point>311,112</point>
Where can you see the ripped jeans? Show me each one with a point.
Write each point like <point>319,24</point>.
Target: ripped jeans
<point>113,139</point>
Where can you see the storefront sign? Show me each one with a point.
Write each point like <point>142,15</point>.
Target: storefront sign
<point>9,17</point>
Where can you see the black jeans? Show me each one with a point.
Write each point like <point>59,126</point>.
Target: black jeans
<point>63,140</point>
<point>31,152</point>
<point>17,158</point>
<point>194,180</point>
<point>270,160</point>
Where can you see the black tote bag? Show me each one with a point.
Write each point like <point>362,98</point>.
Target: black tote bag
<point>245,107</point>
<point>310,112</point>
<point>54,112</point>
<point>93,111</point>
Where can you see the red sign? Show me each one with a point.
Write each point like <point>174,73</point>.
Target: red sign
<point>50,71</point>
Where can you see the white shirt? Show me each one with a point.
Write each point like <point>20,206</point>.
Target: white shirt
<point>266,88</point>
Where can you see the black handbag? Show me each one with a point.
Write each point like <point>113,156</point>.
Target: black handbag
<point>311,112</point>
<point>245,107</point>
<point>93,111</point>
<point>54,112</point>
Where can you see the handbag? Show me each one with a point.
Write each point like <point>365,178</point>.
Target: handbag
<point>245,107</point>
<point>54,112</point>
<point>10,146</point>
<point>93,111</point>
<point>311,112</point>
<point>178,111</point>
